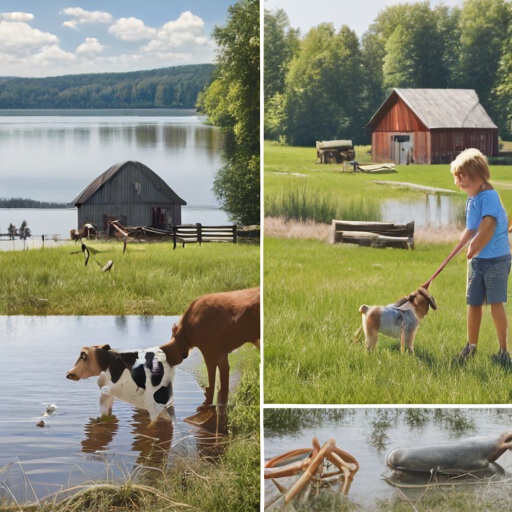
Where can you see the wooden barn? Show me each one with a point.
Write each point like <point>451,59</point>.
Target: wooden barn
<point>131,193</point>
<point>431,126</point>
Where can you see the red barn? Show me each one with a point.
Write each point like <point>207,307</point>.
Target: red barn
<point>431,126</point>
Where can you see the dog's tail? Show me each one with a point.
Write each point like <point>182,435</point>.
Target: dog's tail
<point>363,309</point>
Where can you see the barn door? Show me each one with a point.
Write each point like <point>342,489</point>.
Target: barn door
<point>402,149</point>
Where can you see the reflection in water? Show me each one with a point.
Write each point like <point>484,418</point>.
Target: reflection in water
<point>146,135</point>
<point>433,210</point>
<point>81,135</point>
<point>175,137</point>
<point>106,135</point>
<point>121,322</point>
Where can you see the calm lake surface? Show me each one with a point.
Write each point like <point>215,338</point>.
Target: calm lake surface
<point>53,155</point>
<point>36,353</point>
<point>370,434</point>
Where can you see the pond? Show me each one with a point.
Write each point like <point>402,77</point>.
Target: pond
<point>432,210</point>
<point>370,434</point>
<point>53,155</point>
<point>36,353</point>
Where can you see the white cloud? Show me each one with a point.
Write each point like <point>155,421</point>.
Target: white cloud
<point>82,16</point>
<point>15,34</point>
<point>17,16</point>
<point>70,24</point>
<point>186,33</point>
<point>51,53</point>
<point>91,45</point>
<point>131,29</point>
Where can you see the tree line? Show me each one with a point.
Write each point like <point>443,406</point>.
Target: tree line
<point>18,202</point>
<point>328,84</point>
<point>177,86</point>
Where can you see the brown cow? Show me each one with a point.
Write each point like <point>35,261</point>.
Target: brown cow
<point>216,324</point>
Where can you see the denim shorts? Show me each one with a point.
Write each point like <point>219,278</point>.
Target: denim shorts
<point>487,280</point>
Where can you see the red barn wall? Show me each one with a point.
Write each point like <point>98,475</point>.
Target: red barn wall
<point>436,146</point>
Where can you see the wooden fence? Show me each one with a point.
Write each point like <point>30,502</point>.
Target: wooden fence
<point>197,233</point>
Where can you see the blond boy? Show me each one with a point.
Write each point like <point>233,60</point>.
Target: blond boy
<point>488,253</point>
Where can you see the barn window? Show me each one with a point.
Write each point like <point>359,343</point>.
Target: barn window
<point>482,143</point>
<point>457,141</point>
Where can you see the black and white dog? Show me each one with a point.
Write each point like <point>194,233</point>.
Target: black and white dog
<point>142,378</point>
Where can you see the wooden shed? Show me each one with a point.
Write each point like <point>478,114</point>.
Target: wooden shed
<point>431,126</point>
<point>131,193</point>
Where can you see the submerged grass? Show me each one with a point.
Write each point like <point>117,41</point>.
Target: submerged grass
<point>312,295</point>
<point>149,279</point>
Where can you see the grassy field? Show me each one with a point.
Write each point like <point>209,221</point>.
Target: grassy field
<point>313,292</point>
<point>312,295</point>
<point>149,279</point>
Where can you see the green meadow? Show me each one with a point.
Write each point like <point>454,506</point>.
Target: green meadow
<point>149,279</point>
<point>313,292</point>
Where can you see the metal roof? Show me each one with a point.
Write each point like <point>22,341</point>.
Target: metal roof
<point>110,173</point>
<point>442,108</point>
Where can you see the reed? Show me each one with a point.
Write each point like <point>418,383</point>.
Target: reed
<point>303,204</point>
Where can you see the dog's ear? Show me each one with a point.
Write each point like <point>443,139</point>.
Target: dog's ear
<point>104,347</point>
<point>411,297</point>
<point>102,356</point>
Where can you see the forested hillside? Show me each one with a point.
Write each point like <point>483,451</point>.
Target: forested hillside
<point>328,84</point>
<point>167,87</point>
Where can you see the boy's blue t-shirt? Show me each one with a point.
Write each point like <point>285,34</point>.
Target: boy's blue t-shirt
<point>483,204</point>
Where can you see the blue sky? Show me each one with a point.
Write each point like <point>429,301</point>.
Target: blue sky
<point>357,14</point>
<point>58,37</point>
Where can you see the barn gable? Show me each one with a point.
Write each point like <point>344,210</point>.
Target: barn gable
<point>113,187</point>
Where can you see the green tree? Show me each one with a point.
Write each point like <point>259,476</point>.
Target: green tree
<point>324,88</point>
<point>483,25</point>
<point>232,103</point>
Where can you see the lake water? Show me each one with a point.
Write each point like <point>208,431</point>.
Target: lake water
<point>370,434</point>
<point>53,155</point>
<point>36,353</point>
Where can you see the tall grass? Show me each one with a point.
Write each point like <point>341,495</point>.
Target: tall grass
<point>149,279</point>
<point>304,204</point>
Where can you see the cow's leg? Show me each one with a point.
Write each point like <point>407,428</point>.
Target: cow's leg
<point>211,366</point>
<point>223,365</point>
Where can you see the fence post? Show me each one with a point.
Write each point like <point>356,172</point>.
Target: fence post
<point>199,232</point>
<point>235,233</point>
<point>174,235</point>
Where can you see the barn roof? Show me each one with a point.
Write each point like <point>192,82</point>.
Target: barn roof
<point>110,173</point>
<point>440,108</point>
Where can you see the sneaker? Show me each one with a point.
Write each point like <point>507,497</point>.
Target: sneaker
<point>467,352</point>
<point>502,358</point>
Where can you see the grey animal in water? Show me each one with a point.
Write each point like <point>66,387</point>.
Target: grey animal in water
<point>473,454</point>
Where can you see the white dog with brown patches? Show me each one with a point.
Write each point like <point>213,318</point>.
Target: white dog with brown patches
<point>142,378</point>
<point>399,320</point>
